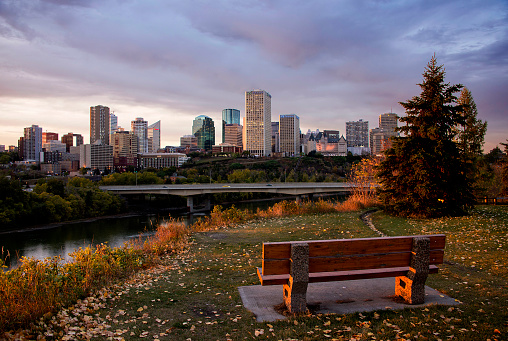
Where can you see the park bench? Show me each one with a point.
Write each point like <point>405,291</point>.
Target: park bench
<point>294,264</point>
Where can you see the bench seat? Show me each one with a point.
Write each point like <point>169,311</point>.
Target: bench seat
<point>295,264</point>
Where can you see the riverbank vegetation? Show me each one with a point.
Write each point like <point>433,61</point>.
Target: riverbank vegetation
<point>53,200</point>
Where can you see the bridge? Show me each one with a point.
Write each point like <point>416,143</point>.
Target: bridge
<point>297,189</point>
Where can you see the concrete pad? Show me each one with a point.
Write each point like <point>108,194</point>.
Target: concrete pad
<point>336,297</point>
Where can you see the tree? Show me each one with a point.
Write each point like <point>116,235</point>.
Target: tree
<point>471,134</point>
<point>424,174</point>
<point>504,174</point>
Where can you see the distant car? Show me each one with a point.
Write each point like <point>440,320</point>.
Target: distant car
<point>226,186</point>
<point>269,184</point>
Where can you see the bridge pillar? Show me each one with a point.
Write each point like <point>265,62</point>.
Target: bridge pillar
<point>311,196</point>
<point>190,204</point>
<point>207,203</point>
<point>299,199</point>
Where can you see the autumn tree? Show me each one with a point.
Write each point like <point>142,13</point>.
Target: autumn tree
<point>424,174</point>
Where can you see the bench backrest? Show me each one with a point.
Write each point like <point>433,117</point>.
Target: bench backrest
<point>350,254</point>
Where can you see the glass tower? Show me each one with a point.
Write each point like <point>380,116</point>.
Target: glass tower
<point>204,129</point>
<point>229,116</point>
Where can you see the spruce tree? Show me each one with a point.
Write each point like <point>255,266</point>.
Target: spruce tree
<point>423,174</point>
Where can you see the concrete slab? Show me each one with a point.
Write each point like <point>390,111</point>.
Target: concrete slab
<point>336,297</point>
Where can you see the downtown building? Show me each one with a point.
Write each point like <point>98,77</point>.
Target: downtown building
<point>380,137</point>
<point>357,137</point>
<point>154,137</point>
<point>72,140</point>
<point>258,122</point>
<point>125,149</point>
<point>204,130</point>
<point>31,143</point>
<point>289,134</point>
<point>139,127</point>
<point>99,124</point>
<point>229,116</point>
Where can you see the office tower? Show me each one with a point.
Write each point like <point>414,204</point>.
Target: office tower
<point>258,122</point>
<point>377,138</point>
<point>72,140</point>
<point>275,137</point>
<point>233,134</point>
<point>357,133</point>
<point>188,141</point>
<point>204,129</point>
<point>389,122</point>
<point>99,124</point>
<point>96,156</point>
<point>154,137</point>
<point>289,132</point>
<point>229,116</point>
<point>46,137</point>
<point>139,127</point>
<point>54,146</point>
<point>125,149</point>
<point>113,123</point>
<point>32,143</point>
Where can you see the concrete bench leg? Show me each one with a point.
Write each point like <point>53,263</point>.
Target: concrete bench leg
<point>412,286</point>
<point>295,292</point>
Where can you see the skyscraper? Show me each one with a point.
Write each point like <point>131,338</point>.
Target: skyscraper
<point>32,143</point>
<point>275,137</point>
<point>139,127</point>
<point>204,129</point>
<point>389,122</point>
<point>357,133</point>
<point>229,116</point>
<point>289,132</point>
<point>233,134</point>
<point>125,148</point>
<point>258,122</point>
<point>154,137</point>
<point>99,124</point>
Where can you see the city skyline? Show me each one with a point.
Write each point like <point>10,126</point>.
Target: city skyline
<point>328,63</point>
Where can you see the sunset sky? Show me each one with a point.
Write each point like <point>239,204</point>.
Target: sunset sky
<point>326,61</point>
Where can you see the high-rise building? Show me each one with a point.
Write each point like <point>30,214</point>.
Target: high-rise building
<point>72,140</point>
<point>357,133</point>
<point>125,149</point>
<point>204,129</point>
<point>289,132</point>
<point>233,134</point>
<point>96,156</point>
<point>32,143</point>
<point>229,116</point>
<point>99,124</point>
<point>154,137</point>
<point>389,122</point>
<point>46,137</point>
<point>275,137</point>
<point>258,122</point>
<point>139,127</point>
<point>377,138</point>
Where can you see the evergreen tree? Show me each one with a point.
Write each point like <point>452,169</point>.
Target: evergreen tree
<point>424,174</point>
<point>470,138</point>
<point>471,134</point>
<point>504,174</point>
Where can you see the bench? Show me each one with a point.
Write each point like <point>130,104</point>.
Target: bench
<point>294,264</point>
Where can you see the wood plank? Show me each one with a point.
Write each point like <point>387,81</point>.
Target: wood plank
<point>341,275</point>
<point>346,263</point>
<point>338,247</point>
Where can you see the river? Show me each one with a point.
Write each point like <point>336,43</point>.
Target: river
<point>62,239</point>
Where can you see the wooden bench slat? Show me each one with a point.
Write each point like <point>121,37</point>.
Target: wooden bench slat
<point>340,275</point>
<point>282,250</point>
<point>347,263</point>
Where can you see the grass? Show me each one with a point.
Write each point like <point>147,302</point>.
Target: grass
<point>194,293</point>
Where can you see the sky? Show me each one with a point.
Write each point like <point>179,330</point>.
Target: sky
<point>326,61</point>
